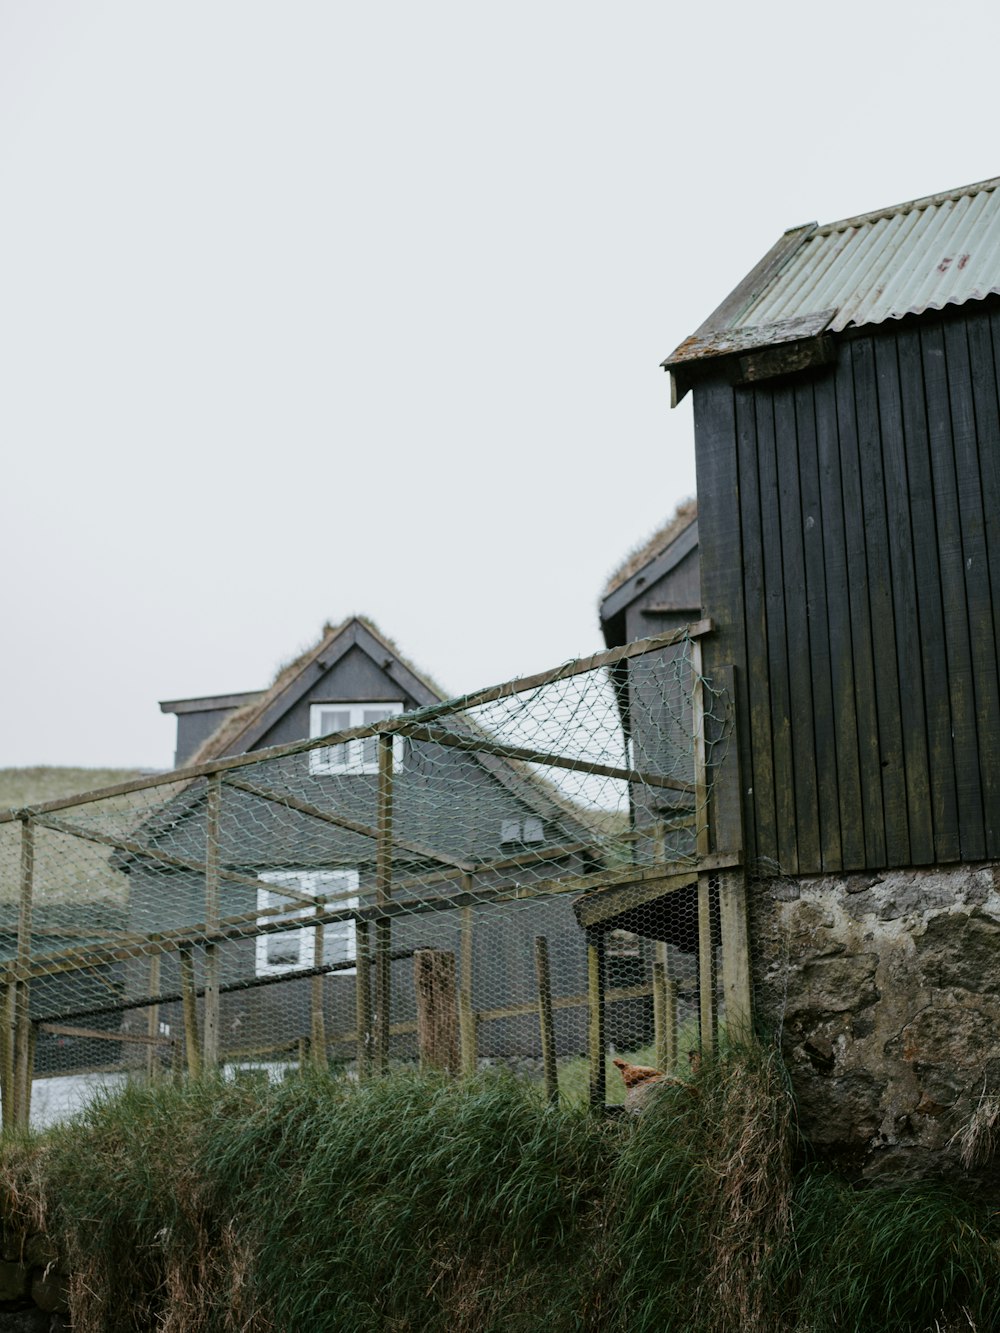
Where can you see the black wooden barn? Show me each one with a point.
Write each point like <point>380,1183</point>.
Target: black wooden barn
<point>847,428</point>
<point>452,809</point>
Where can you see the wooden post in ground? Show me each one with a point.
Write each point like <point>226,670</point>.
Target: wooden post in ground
<point>23,1043</point>
<point>664,1011</point>
<point>383,892</point>
<point>363,1000</point>
<point>437,1009</point>
<point>8,1097</point>
<point>317,1024</point>
<point>735,955</point>
<point>189,1005</point>
<point>545,1022</point>
<point>468,1033</point>
<point>153,1020</point>
<point>595,1017</point>
<point>210,1047</point>
<point>727,826</point>
<point>708,1024</point>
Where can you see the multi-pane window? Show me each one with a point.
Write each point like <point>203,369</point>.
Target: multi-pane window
<point>356,756</point>
<point>530,830</point>
<point>307,946</point>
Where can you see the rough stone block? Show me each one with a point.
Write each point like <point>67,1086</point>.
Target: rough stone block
<point>13,1281</point>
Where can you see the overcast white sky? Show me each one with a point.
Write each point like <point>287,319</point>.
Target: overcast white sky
<point>312,308</point>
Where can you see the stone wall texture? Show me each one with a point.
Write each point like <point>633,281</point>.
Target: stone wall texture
<point>886,991</point>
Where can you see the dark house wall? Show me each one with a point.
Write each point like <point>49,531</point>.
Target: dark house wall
<point>354,678</point>
<point>850,552</point>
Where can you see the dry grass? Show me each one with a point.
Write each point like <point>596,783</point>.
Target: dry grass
<point>31,786</point>
<point>424,1205</point>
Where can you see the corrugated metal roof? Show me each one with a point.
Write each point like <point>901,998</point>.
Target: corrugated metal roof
<point>922,255</point>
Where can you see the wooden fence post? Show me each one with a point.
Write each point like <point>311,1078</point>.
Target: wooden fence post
<point>8,1098</point>
<point>664,1011</point>
<point>23,1044</point>
<point>437,1009</point>
<point>735,955</point>
<point>468,1028</point>
<point>595,1016</point>
<point>545,1022</point>
<point>363,999</point>
<point>317,1025</point>
<point>189,1004</point>
<point>153,1019</point>
<point>212,915</point>
<point>383,892</point>
<point>706,960</point>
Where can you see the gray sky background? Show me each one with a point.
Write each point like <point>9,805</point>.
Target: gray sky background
<point>315,308</point>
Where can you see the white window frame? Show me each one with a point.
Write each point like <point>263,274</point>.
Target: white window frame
<point>336,889</point>
<point>351,756</point>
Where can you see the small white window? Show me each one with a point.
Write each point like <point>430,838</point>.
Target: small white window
<point>286,950</point>
<point>357,756</point>
<point>534,830</point>
<point>510,830</point>
<point>522,831</point>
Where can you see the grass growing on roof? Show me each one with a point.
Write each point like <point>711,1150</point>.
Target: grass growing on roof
<point>421,1204</point>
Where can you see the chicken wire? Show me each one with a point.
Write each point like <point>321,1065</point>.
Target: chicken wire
<point>508,878</point>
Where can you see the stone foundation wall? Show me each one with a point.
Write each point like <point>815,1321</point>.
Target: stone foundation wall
<point>886,990</point>
<point>33,1287</point>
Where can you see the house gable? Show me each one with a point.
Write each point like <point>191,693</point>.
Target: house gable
<point>657,593</point>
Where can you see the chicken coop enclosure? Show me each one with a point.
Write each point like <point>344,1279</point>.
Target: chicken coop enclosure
<point>539,875</point>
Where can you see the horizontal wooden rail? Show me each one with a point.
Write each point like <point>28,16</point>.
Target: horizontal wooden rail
<point>183,777</point>
<point>481,745</point>
<point>341,821</point>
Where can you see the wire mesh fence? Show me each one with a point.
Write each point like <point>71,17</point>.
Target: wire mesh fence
<point>537,875</point>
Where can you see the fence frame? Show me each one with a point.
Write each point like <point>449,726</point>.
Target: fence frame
<point>716,868</point>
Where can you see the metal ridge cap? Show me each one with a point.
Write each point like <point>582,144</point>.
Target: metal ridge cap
<point>909,206</point>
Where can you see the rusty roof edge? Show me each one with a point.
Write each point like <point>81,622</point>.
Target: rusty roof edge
<point>756,281</point>
<point>740,298</point>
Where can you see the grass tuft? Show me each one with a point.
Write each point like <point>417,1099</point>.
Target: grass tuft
<point>422,1204</point>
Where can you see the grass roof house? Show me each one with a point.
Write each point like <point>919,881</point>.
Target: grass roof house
<point>300,833</point>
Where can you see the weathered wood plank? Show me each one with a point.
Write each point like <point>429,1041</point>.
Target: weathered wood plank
<point>906,618</point>
<point>762,837</point>
<point>841,656</point>
<point>189,1003</point>
<point>966,385</point>
<point>817,616</point>
<point>721,556</point>
<point>477,744</point>
<point>798,626</point>
<point>883,636</point>
<point>735,934</point>
<point>856,586</point>
<point>956,621</point>
<point>775,660</point>
<point>437,1009</point>
<point>930,610</point>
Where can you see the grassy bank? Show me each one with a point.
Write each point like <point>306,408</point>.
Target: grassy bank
<point>425,1205</point>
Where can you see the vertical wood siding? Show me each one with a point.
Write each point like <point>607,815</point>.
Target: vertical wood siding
<point>850,549</point>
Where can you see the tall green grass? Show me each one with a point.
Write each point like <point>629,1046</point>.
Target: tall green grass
<point>421,1204</point>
